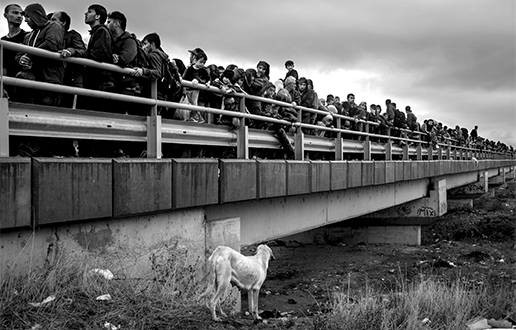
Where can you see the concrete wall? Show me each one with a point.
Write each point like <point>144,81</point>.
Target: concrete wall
<point>124,246</point>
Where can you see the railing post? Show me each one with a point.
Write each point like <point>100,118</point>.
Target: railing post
<point>430,151</point>
<point>154,126</point>
<point>242,135</point>
<point>367,144</point>
<point>439,153</point>
<point>406,152</point>
<point>455,153</point>
<point>419,152</point>
<point>388,146</point>
<point>448,152</point>
<point>300,139</point>
<point>338,142</point>
<point>4,127</point>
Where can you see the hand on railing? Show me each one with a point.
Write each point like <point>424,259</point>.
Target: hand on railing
<point>137,72</point>
<point>64,53</point>
<point>25,62</point>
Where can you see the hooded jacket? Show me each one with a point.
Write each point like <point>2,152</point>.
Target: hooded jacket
<point>49,36</point>
<point>156,70</point>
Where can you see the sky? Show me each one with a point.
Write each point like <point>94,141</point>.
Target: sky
<point>453,61</point>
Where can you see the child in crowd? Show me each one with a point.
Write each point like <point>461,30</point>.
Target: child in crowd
<point>196,73</point>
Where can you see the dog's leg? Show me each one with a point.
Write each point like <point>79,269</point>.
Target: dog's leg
<point>223,274</point>
<point>255,303</point>
<point>250,302</point>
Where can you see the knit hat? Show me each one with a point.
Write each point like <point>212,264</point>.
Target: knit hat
<point>302,80</point>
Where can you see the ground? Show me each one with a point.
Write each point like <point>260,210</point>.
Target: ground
<point>474,245</point>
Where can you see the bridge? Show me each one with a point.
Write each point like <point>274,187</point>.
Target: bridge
<point>124,209</point>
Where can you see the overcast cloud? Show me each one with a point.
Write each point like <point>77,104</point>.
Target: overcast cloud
<point>454,61</point>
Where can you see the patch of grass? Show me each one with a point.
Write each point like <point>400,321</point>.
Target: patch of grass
<point>445,305</point>
<point>163,298</point>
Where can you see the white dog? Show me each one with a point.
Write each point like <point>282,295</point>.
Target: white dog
<point>227,266</point>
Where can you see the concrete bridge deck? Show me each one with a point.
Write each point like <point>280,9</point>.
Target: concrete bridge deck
<point>124,207</point>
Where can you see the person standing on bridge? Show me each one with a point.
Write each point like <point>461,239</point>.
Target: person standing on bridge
<point>291,72</point>
<point>14,17</point>
<point>98,49</point>
<point>45,35</point>
<point>474,134</point>
<point>73,47</point>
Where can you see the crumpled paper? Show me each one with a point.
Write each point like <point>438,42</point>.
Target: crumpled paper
<point>104,272</point>
<point>45,301</point>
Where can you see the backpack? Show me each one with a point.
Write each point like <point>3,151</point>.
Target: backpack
<point>170,83</point>
<point>141,59</point>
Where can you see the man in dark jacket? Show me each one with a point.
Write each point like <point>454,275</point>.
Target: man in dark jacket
<point>45,35</point>
<point>73,47</point>
<point>98,49</point>
<point>158,60</point>
<point>125,49</point>
<point>14,17</point>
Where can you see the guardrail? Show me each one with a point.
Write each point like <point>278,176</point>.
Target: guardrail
<point>18,119</point>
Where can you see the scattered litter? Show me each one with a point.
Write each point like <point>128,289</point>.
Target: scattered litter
<point>46,301</point>
<point>110,326</point>
<point>291,301</point>
<point>36,327</point>
<point>480,323</point>
<point>504,324</point>
<point>426,321</point>
<point>267,292</point>
<point>106,296</point>
<point>104,272</point>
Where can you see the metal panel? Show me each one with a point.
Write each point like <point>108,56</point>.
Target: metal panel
<point>367,173</point>
<point>298,177</point>
<point>354,174</point>
<point>320,176</point>
<point>195,182</point>
<point>71,189</point>
<point>339,175</point>
<point>15,192</point>
<point>141,186</point>
<point>238,180</point>
<point>272,178</point>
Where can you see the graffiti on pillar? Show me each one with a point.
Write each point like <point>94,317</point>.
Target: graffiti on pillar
<point>425,211</point>
<point>471,188</point>
<point>443,207</point>
<point>403,210</point>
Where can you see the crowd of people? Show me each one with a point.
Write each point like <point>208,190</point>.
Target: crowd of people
<point>110,42</point>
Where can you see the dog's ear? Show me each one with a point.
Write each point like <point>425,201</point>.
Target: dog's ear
<point>272,257</point>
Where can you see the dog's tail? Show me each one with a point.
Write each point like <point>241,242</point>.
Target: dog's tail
<point>212,278</point>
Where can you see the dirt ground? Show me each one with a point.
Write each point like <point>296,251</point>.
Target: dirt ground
<point>474,244</point>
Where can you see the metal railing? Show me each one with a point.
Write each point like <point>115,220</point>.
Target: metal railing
<point>18,119</point>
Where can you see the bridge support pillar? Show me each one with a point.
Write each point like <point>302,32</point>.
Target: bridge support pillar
<point>472,190</point>
<point>499,179</point>
<point>396,225</point>
<point>224,232</point>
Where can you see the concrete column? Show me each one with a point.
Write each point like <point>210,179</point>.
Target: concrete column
<point>396,225</point>
<point>224,232</point>
<point>471,190</point>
